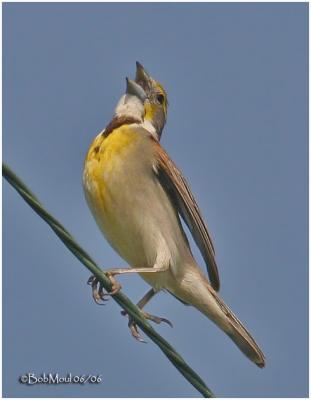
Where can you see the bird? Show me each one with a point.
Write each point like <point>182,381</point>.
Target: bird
<point>136,194</point>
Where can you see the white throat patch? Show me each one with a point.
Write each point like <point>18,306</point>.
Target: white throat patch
<point>130,106</point>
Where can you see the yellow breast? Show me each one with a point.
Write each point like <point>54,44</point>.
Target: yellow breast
<point>108,173</point>
<point>104,157</point>
<point>105,152</point>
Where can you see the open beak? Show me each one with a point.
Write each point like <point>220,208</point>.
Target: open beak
<point>135,90</point>
<point>142,76</point>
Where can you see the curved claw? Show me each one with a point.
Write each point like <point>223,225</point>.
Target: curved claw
<point>98,300</point>
<point>98,295</point>
<point>101,293</point>
<point>97,291</point>
<point>134,330</point>
<point>167,321</point>
<point>157,320</point>
<point>91,280</point>
<point>140,339</point>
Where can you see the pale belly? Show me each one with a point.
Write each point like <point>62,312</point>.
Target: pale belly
<point>135,215</point>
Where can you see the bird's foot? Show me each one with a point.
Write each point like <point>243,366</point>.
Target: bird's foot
<point>98,293</point>
<point>134,328</point>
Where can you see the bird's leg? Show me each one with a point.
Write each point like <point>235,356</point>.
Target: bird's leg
<point>119,271</point>
<point>141,304</point>
<point>97,288</point>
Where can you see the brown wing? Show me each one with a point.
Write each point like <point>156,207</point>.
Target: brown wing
<point>180,194</point>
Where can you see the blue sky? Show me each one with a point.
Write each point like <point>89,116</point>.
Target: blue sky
<point>237,80</point>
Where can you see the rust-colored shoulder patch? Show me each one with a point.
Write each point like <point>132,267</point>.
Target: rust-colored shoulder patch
<point>116,122</point>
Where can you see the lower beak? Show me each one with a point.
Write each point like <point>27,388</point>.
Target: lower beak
<point>136,90</point>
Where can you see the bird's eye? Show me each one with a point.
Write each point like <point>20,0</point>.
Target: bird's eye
<point>160,98</point>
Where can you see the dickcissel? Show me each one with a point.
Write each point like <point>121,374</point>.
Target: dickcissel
<point>136,194</point>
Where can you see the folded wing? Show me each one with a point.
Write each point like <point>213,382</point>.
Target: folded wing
<point>180,194</point>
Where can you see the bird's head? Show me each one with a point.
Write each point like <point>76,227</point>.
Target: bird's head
<point>156,103</point>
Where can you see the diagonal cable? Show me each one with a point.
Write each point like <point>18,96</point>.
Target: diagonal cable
<point>120,298</point>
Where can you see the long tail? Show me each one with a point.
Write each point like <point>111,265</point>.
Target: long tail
<point>239,334</point>
<point>198,292</point>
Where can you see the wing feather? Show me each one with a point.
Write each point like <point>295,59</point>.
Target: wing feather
<point>181,196</point>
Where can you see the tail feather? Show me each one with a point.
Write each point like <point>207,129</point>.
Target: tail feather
<point>240,335</point>
<point>196,290</point>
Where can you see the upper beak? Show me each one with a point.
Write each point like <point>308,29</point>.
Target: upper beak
<point>142,76</point>
<point>134,89</point>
